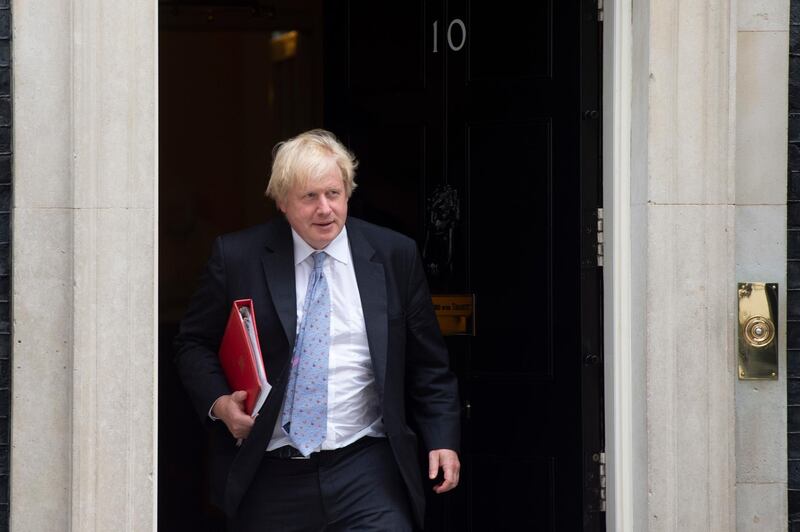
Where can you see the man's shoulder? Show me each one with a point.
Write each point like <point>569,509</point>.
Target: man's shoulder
<point>378,235</point>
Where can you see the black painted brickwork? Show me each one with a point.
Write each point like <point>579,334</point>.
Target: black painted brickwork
<point>5,257</point>
<point>793,272</point>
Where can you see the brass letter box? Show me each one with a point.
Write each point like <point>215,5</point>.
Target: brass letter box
<point>456,313</point>
<point>758,331</point>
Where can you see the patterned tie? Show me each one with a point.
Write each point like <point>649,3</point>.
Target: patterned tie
<point>305,411</point>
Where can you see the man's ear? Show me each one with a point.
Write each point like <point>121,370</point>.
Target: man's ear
<point>281,206</point>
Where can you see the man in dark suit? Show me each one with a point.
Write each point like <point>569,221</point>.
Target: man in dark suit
<point>349,340</point>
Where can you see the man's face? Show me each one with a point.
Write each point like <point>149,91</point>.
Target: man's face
<point>317,209</point>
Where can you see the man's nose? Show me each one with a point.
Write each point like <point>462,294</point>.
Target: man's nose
<point>324,205</point>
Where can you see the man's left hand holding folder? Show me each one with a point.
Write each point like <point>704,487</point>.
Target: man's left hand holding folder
<point>230,409</point>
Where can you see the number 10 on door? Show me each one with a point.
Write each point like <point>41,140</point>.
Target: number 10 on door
<point>455,23</point>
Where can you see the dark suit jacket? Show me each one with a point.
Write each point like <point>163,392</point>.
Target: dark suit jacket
<point>409,357</point>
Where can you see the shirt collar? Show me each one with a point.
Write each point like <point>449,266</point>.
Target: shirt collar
<point>339,248</point>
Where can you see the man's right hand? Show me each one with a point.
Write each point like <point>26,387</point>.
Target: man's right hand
<point>230,409</point>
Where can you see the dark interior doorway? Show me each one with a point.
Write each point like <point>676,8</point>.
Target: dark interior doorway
<point>485,115</point>
<point>234,79</point>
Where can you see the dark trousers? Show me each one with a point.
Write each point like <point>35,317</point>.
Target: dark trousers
<point>355,488</point>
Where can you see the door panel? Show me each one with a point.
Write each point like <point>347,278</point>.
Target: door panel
<point>507,44</point>
<point>508,172</point>
<point>401,62</point>
<point>480,153</point>
<point>388,174</point>
<point>535,497</point>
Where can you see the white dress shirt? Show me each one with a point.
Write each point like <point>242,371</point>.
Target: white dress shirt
<point>353,407</point>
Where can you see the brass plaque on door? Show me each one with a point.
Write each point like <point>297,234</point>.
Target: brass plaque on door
<point>758,331</point>
<point>455,313</point>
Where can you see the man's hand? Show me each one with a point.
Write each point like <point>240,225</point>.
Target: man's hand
<point>230,409</point>
<point>447,460</point>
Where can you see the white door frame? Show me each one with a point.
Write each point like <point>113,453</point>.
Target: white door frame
<point>621,416</point>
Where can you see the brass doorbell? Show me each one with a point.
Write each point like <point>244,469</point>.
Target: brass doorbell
<point>758,331</point>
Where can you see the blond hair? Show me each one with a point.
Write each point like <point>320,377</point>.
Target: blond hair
<point>307,157</point>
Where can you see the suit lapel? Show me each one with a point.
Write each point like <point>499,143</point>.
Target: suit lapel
<point>278,262</point>
<point>372,288</point>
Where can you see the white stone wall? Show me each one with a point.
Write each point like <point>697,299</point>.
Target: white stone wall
<point>84,273</point>
<point>762,71</point>
<point>687,196</point>
<point>41,270</point>
<point>705,179</point>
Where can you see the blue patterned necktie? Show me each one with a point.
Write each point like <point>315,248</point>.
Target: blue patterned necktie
<point>305,410</point>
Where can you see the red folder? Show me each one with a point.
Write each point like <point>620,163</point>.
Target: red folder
<point>240,356</point>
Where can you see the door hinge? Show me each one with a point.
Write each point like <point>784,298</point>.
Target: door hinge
<point>600,10</point>
<point>600,246</point>
<point>600,459</point>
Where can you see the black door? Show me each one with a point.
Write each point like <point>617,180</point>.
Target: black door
<point>477,126</point>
